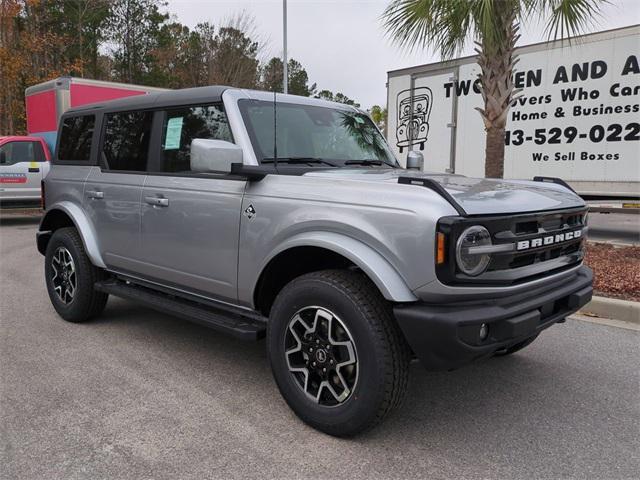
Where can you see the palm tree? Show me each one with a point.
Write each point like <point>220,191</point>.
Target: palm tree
<point>446,26</point>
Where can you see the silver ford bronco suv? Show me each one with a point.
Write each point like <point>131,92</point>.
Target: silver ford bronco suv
<point>290,218</point>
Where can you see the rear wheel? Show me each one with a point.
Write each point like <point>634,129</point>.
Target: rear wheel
<point>336,352</point>
<point>70,276</point>
<point>516,348</point>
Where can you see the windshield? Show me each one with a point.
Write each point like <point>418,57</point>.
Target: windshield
<point>337,137</point>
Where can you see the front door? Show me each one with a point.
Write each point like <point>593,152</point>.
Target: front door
<point>190,229</point>
<point>21,169</point>
<point>113,190</point>
<point>190,222</point>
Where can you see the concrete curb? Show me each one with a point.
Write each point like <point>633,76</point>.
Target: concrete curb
<point>605,321</point>
<point>613,308</point>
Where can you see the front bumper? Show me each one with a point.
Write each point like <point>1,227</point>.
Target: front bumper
<point>446,336</point>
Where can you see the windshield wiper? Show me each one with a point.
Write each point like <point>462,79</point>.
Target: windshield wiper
<point>297,160</point>
<point>368,162</point>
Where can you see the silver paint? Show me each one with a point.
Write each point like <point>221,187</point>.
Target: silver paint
<point>198,240</point>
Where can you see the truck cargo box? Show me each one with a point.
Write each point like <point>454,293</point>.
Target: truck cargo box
<point>46,101</point>
<point>577,116</point>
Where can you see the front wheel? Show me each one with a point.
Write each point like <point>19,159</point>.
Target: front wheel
<point>336,353</point>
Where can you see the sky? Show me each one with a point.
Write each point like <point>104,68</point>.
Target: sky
<point>342,44</point>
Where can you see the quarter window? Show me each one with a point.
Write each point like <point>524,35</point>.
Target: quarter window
<point>182,125</point>
<point>75,138</point>
<point>126,141</point>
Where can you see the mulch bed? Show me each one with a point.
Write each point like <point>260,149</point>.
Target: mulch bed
<point>616,270</point>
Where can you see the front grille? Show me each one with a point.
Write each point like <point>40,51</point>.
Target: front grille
<point>515,266</point>
<point>528,228</point>
<point>523,260</point>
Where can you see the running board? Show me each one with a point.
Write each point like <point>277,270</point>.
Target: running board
<point>244,327</point>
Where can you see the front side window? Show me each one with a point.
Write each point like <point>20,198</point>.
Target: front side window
<point>75,138</point>
<point>182,125</point>
<point>126,141</point>
<point>339,136</point>
<point>18,152</point>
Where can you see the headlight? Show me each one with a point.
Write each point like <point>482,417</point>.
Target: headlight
<point>470,257</point>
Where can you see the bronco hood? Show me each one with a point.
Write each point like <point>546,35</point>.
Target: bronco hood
<point>477,196</point>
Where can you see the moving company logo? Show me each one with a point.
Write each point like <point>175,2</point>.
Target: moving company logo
<point>567,113</point>
<point>13,178</point>
<point>413,117</point>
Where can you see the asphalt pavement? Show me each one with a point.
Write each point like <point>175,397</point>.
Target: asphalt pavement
<point>139,394</point>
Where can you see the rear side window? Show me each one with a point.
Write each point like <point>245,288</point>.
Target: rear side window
<point>38,152</point>
<point>126,141</point>
<point>182,125</point>
<point>75,138</point>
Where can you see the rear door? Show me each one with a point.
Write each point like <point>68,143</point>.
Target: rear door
<point>190,221</point>
<point>113,189</point>
<point>21,169</point>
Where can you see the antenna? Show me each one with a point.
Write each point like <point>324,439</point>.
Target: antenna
<point>275,134</point>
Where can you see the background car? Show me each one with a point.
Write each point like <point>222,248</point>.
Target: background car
<point>24,162</point>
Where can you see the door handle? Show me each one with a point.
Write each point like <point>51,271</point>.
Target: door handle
<point>95,194</point>
<point>34,170</point>
<point>157,201</point>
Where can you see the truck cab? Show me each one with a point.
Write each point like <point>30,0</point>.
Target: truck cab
<point>24,162</point>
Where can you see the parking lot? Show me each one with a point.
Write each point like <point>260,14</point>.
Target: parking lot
<point>623,229</point>
<point>138,394</point>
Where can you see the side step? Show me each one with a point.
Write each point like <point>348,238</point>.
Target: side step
<point>234,323</point>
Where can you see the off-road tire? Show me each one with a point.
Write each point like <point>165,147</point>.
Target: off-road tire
<point>516,348</point>
<point>383,355</point>
<point>87,302</point>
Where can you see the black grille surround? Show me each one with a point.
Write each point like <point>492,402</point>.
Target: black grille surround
<point>516,266</point>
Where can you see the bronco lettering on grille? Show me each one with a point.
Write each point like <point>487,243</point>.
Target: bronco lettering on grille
<point>548,240</point>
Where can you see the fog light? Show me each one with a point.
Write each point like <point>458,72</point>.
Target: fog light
<point>484,331</point>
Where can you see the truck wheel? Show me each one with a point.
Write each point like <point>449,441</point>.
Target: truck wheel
<point>516,348</point>
<point>336,352</point>
<point>70,275</point>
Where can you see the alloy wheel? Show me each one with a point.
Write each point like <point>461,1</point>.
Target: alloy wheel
<point>64,277</point>
<point>321,356</point>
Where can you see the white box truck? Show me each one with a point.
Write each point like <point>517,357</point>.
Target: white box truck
<point>577,117</point>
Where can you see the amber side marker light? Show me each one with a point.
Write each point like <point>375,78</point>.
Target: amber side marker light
<point>440,241</point>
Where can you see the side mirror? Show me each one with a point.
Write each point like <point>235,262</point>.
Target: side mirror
<point>415,160</point>
<point>213,155</point>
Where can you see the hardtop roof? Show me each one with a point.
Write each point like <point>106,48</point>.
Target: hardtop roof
<point>169,98</point>
<point>193,96</point>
